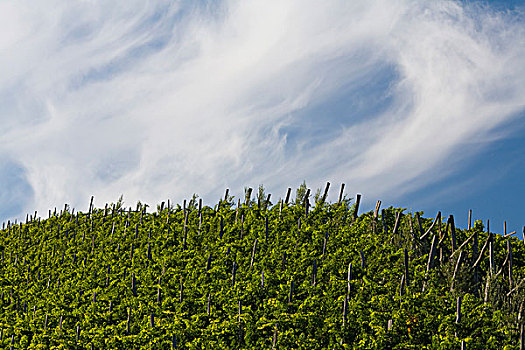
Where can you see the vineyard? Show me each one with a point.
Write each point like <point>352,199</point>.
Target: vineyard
<point>247,273</point>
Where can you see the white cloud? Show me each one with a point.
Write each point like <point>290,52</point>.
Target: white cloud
<point>154,100</point>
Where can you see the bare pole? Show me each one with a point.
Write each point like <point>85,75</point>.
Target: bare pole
<point>341,192</point>
<point>509,250</point>
<point>325,194</point>
<point>287,195</point>
<point>452,232</point>
<point>356,208</point>
<point>430,263</point>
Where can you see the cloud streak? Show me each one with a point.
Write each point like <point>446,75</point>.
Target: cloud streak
<point>158,100</point>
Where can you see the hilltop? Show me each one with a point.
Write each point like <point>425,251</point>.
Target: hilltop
<point>252,274</point>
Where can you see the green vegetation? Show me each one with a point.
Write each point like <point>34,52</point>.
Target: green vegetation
<point>249,274</point>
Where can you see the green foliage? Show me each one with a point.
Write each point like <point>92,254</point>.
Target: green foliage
<point>193,268</point>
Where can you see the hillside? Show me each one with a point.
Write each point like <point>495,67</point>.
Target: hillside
<point>296,274</point>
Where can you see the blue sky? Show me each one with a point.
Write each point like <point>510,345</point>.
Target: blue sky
<point>418,103</point>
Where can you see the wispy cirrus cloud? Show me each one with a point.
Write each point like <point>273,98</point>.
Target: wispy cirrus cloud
<point>158,99</point>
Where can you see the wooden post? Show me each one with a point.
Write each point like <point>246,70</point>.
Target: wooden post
<point>509,249</point>
<point>438,220</point>
<point>134,285</point>
<point>345,310</point>
<point>253,252</point>
<point>452,232</point>
<point>208,264</point>
<point>383,220</point>
<point>288,195</point>
<point>376,214</point>
<point>349,278</point>
<point>406,267</point>
<point>460,257</point>
<point>324,245</point>
<point>341,192</point>
<point>186,232</point>
<point>325,194</point>
<point>91,205</point>
<point>396,224</point>
<point>128,322</point>
<point>419,224</point>
<point>458,310</point>
<point>430,263</point>
<point>291,292</point>
<point>112,231</point>
<point>446,229</point>
<point>248,195</point>
<point>221,228</point>
<point>200,223</point>
<point>240,312</point>
<point>356,208</point>
<point>306,197</point>
<point>306,207</point>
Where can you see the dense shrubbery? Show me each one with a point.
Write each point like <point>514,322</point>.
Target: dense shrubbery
<point>257,275</point>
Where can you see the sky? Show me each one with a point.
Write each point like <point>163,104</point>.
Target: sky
<point>420,104</point>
